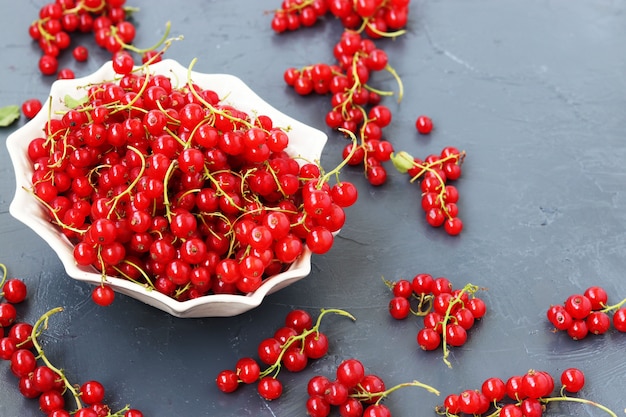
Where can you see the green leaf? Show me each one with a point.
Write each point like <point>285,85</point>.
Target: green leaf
<point>72,103</point>
<point>9,114</point>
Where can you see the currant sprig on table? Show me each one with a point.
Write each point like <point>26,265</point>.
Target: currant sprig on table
<point>527,395</point>
<point>588,313</point>
<point>291,347</point>
<point>161,182</point>
<point>353,392</point>
<point>439,198</point>
<point>355,104</point>
<point>58,21</point>
<point>377,18</point>
<point>447,313</point>
<point>38,378</point>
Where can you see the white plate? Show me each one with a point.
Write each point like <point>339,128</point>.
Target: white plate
<point>304,141</point>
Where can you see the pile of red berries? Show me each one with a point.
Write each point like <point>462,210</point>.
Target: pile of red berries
<point>439,198</point>
<point>37,377</point>
<point>292,346</point>
<point>377,18</point>
<point>176,190</point>
<point>353,392</point>
<point>519,396</point>
<point>355,105</point>
<point>57,21</point>
<point>587,313</point>
<point>447,313</point>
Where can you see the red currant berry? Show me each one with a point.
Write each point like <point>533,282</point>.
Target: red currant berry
<point>227,381</point>
<point>31,107</point>
<point>598,297</point>
<point>399,308</point>
<point>572,379</point>
<point>578,306</point>
<point>424,125</point>
<point>103,295</point>
<point>270,388</point>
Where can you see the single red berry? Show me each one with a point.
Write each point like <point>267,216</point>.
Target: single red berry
<point>619,320</point>
<point>270,388</point>
<point>248,370</point>
<point>572,379</point>
<point>424,125</point>
<point>598,322</point>
<point>350,372</point>
<point>399,308</point>
<point>80,53</point>
<point>48,65</point>
<point>92,392</point>
<point>103,295</point>
<point>578,306</point>
<point>31,107</point>
<point>598,297</point>
<point>428,339</point>
<point>494,389</point>
<point>227,381</point>
<point>402,288</point>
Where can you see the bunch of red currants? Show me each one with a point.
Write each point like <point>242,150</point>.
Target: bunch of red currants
<point>292,346</point>
<point>37,377</point>
<point>353,392</point>
<point>587,313</point>
<point>58,20</point>
<point>524,395</point>
<point>447,313</point>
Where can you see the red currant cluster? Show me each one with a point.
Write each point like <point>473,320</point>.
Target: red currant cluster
<point>439,199</point>
<point>107,19</point>
<point>355,105</point>
<point>38,378</point>
<point>354,392</point>
<point>376,17</point>
<point>291,346</point>
<point>520,396</point>
<point>172,188</point>
<point>586,313</point>
<point>447,313</point>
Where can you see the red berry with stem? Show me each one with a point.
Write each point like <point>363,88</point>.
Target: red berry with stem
<point>399,308</point>
<point>350,372</point>
<point>270,388</point>
<point>227,381</point>
<point>92,392</point>
<point>428,339</point>
<point>14,290</point>
<point>103,295</point>
<point>619,320</point>
<point>248,370</point>
<point>598,297</point>
<point>572,379</point>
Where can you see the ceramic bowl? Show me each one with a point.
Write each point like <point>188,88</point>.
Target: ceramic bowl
<point>304,141</point>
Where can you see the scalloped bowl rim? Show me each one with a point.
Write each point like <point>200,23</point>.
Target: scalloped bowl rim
<point>305,141</point>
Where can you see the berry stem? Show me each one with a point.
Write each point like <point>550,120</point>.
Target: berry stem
<point>163,40</point>
<point>614,306</point>
<point>364,395</point>
<point>3,267</point>
<point>468,288</point>
<point>40,325</point>
<point>579,400</point>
